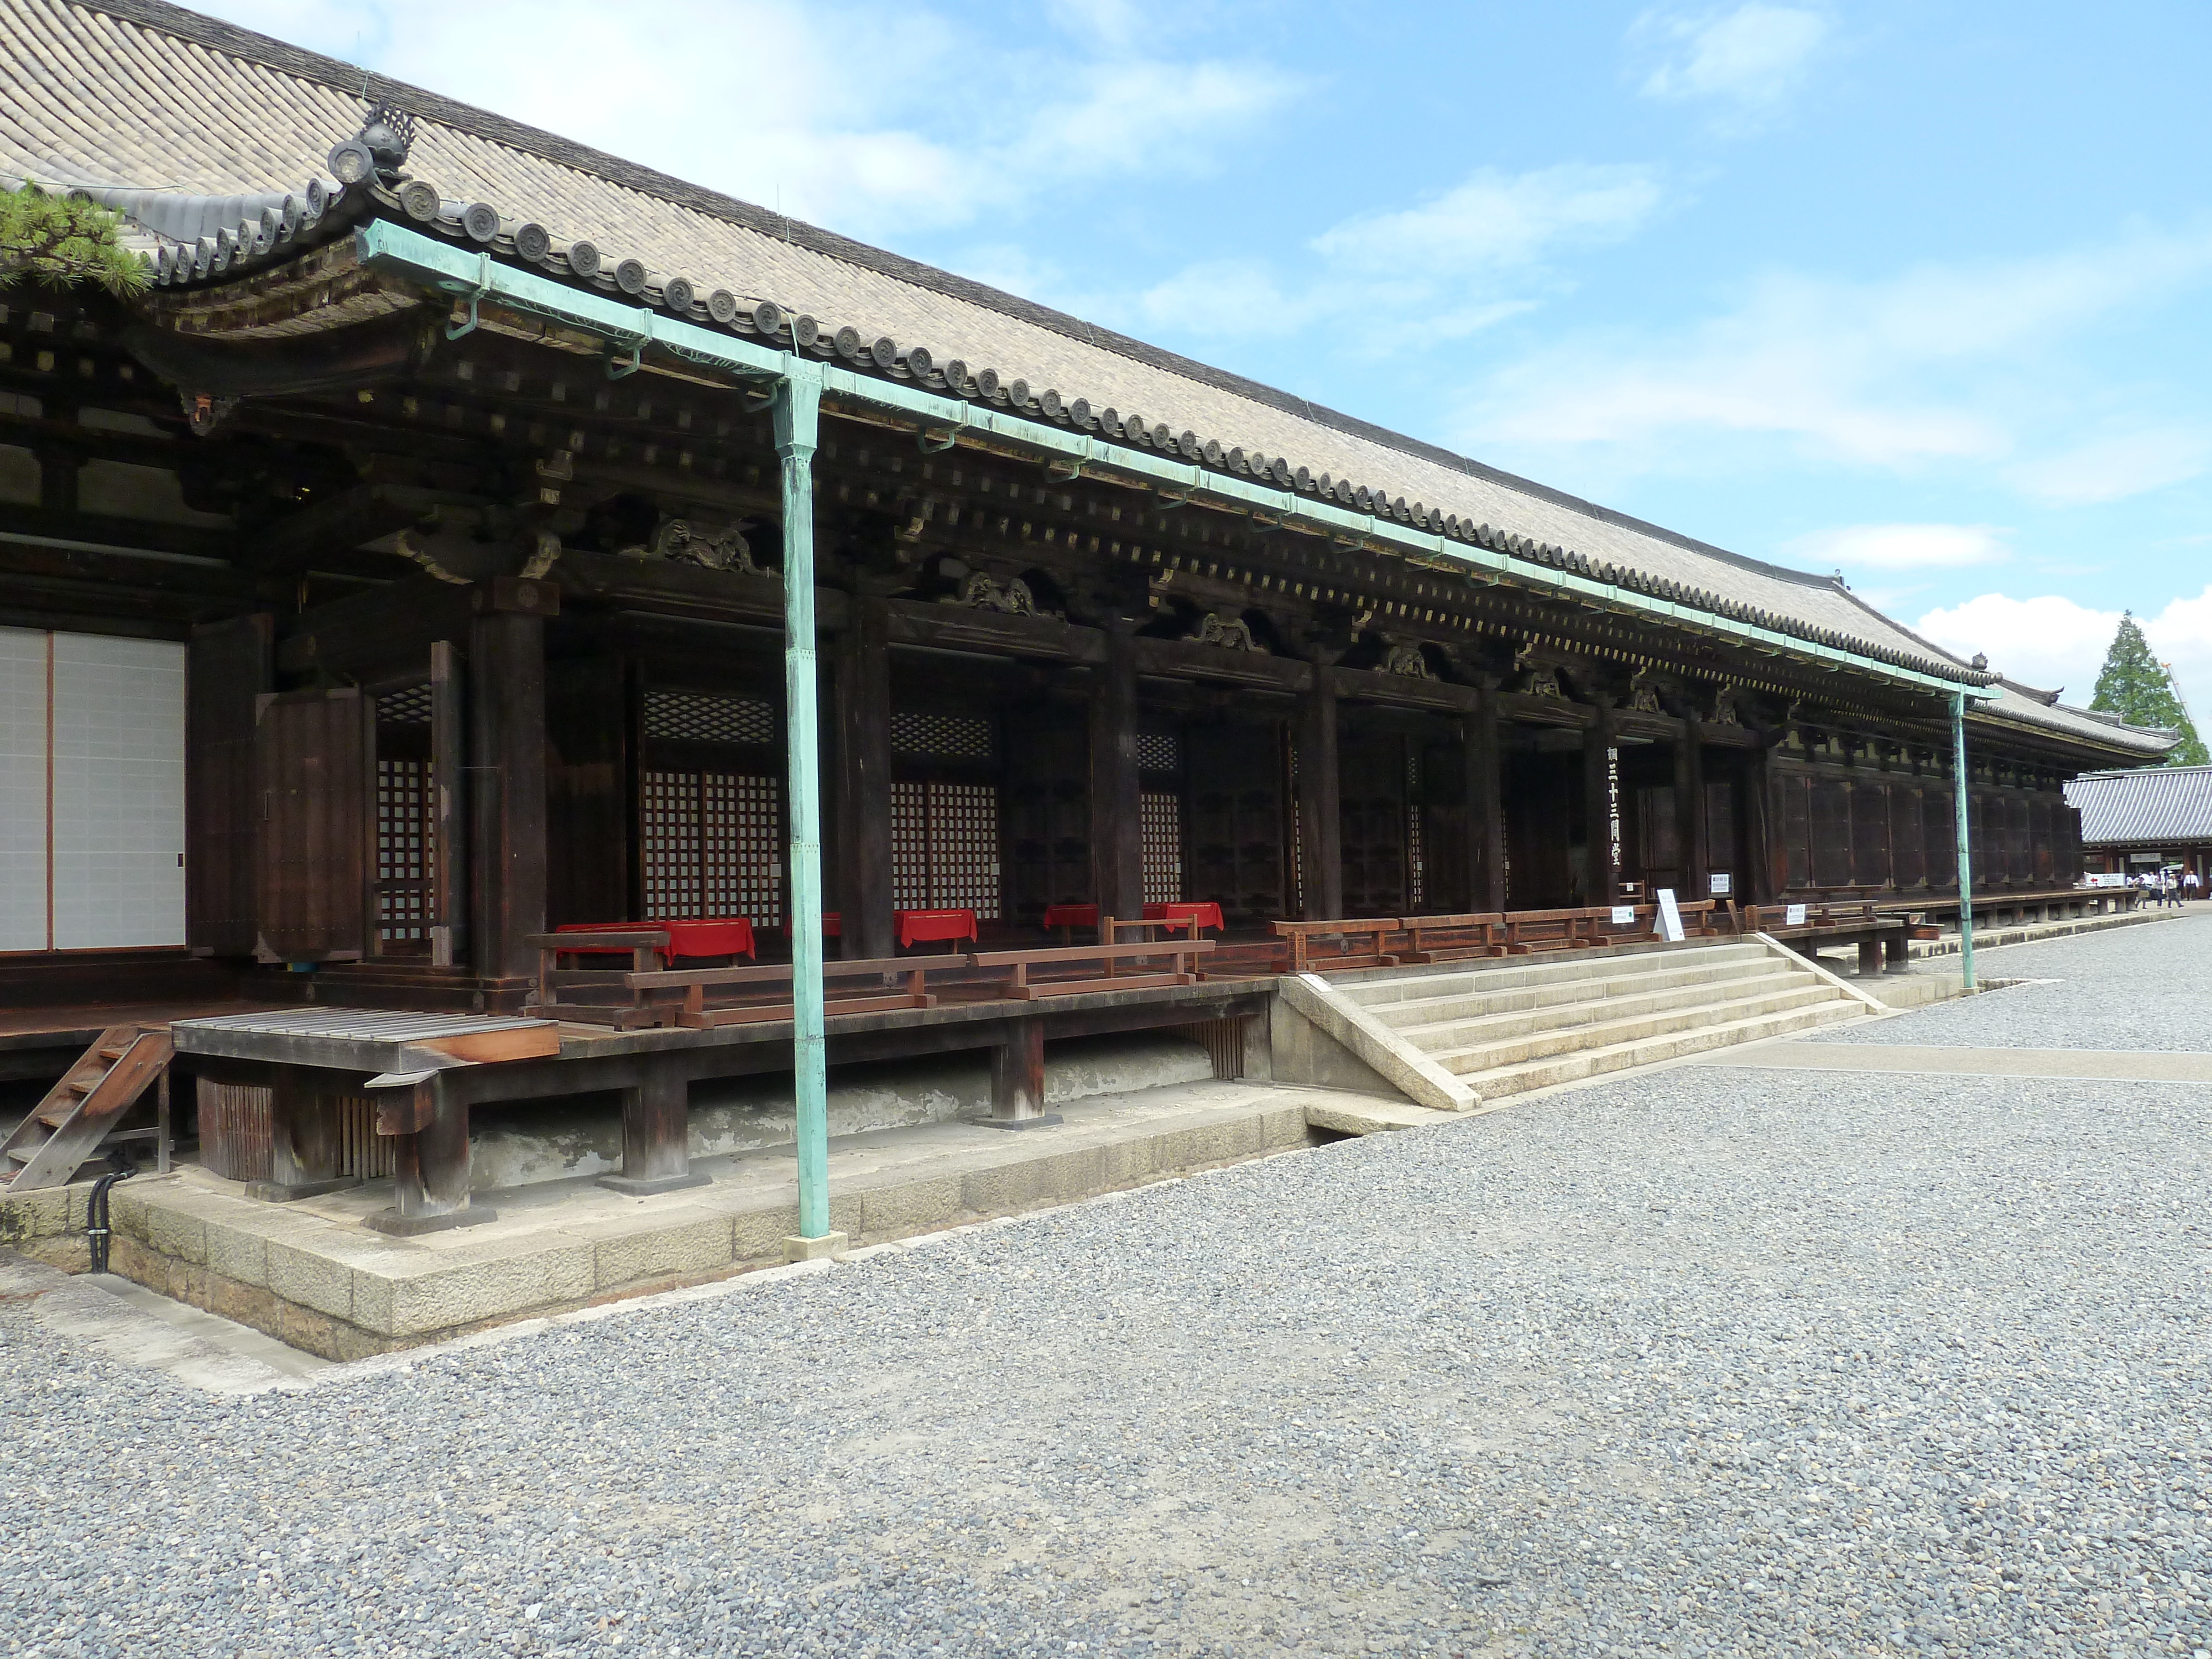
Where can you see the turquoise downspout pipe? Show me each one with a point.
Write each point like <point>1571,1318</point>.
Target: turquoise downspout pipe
<point>1965,847</point>
<point>797,411</point>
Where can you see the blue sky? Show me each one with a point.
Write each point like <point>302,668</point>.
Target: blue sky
<point>1912,291</point>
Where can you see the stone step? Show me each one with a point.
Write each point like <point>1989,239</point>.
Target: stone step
<point>1633,1000</point>
<point>1605,1033</point>
<point>1482,1002</point>
<point>1511,973</point>
<point>1509,1080</point>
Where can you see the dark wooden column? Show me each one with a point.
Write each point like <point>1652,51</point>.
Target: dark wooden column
<point>1117,847</point>
<point>1769,859</point>
<point>506,770</point>
<point>1018,1080</point>
<point>1486,815</point>
<point>1692,832</point>
<point>430,1165</point>
<point>1600,811</point>
<point>449,867</point>
<point>1321,829</point>
<point>863,784</point>
<point>303,1138</point>
<point>656,1137</point>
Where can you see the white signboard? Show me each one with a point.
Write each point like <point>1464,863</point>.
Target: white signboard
<point>1724,884</point>
<point>1623,915</point>
<point>2105,879</point>
<point>1794,916</point>
<point>1670,917</point>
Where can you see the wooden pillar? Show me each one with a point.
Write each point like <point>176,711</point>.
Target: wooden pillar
<point>1770,860</point>
<point>506,770</point>
<point>1320,830</point>
<point>1600,811</point>
<point>449,867</point>
<point>1691,831</point>
<point>303,1136</point>
<point>1486,815</point>
<point>863,782</point>
<point>656,1137</point>
<point>1117,847</point>
<point>430,1168</point>
<point>1018,1080</point>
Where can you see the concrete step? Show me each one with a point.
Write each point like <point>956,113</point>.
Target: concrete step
<point>1514,973</point>
<point>1509,1051</point>
<point>1632,999</point>
<point>1509,1080</point>
<point>1483,1002</point>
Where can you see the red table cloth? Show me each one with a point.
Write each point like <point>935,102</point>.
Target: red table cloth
<point>1071,915</point>
<point>688,936</point>
<point>1206,912</point>
<point>917,925</point>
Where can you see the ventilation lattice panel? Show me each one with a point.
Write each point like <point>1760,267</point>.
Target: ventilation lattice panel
<point>944,848</point>
<point>409,706</point>
<point>944,736</point>
<point>703,717</point>
<point>1158,752</point>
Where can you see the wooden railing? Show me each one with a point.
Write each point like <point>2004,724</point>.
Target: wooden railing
<point>706,998</point>
<point>1389,941</point>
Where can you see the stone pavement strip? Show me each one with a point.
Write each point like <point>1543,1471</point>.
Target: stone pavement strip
<point>1721,1360</point>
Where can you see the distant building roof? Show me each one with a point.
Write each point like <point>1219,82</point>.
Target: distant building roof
<point>2158,805</point>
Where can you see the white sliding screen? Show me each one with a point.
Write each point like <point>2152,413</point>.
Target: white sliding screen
<point>91,791</point>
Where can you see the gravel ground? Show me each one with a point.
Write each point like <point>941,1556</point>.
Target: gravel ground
<point>2147,987</point>
<point>1706,1362</point>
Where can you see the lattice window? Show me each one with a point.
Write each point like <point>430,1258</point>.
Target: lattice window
<point>1158,752</point>
<point>1159,818</point>
<point>409,706</point>
<point>713,845</point>
<point>1416,875</point>
<point>946,737</point>
<point>944,848</point>
<point>404,851</point>
<point>708,717</point>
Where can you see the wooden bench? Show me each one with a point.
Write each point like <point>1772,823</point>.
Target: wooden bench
<point>621,1010</point>
<point>1306,937</point>
<point>1019,988</point>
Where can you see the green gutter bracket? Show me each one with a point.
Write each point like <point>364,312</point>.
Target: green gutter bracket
<point>393,249</point>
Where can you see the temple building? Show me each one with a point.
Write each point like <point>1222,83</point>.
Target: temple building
<point>401,578</point>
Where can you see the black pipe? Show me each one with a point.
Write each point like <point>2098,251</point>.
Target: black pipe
<point>97,1232</point>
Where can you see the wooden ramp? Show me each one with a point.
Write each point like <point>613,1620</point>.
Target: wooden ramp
<point>72,1122</point>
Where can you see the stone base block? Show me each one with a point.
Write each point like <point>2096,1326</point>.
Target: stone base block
<point>814,1249</point>
<point>407,1226</point>
<point>675,1183</point>
<point>1043,1120</point>
<point>282,1192</point>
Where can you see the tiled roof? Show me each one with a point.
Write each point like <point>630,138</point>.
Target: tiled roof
<point>136,95</point>
<point>2160,805</point>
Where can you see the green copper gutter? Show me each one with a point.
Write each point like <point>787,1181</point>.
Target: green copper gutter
<point>632,330</point>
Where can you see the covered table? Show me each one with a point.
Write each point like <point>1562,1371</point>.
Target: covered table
<point>689,937</point>
<point>918,927</point>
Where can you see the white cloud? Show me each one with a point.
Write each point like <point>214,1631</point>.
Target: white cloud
<point>1898,547</point>
<point>1445,268</point>
<point>2111,469</point>
<point>2055,642</point>
<point>1928,366</point>
<point>1753,56</point>
<point>937,127</point>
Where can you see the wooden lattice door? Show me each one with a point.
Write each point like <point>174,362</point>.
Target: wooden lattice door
<point>1047,814</point>
<point>1372,808</point>
<point>1234,850</point>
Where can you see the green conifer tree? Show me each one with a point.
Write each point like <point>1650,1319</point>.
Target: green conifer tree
<point>60,241</point>
<point>2136,686</point>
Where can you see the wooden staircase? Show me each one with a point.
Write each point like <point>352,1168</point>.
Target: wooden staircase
<point>70,1126</point>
